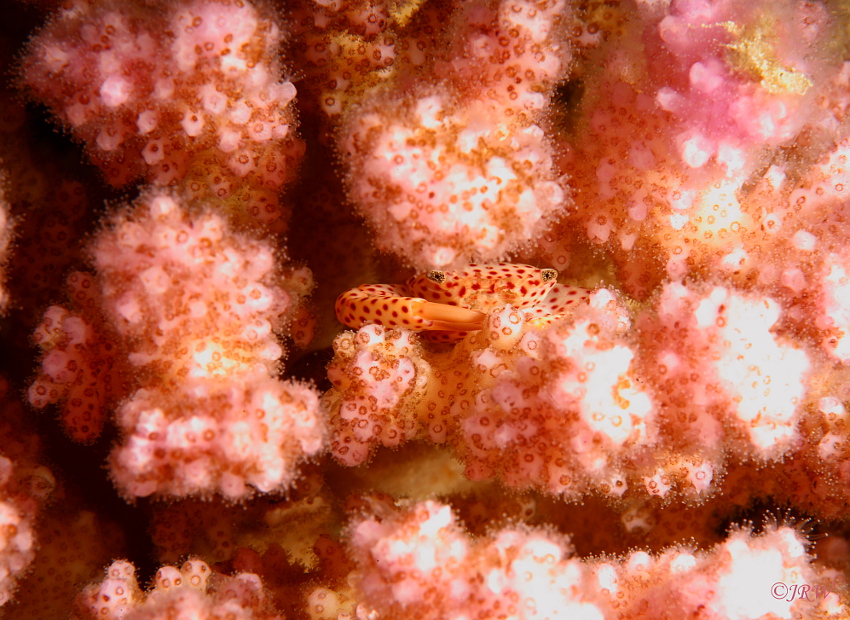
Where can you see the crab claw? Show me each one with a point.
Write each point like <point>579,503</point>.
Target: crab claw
<point>448,318</point>
<point>387,305</point>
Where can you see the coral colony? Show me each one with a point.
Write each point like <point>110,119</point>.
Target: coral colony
<point>425,309</point>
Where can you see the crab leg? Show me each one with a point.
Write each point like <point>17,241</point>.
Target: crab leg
<point>392,306</point>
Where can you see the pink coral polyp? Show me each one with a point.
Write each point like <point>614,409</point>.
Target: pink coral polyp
<point>195,309</point>
<point>441,186</point>
<point>181,88</point>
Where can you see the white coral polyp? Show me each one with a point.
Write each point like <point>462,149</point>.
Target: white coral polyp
<point>189,285</point>
<point>197,307</point>
<point>217,437</point>
<point>464,190</point>
<point>17,538</point>
<point>194,591</point>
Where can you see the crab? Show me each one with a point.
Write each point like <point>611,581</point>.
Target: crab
<point>450,304</point>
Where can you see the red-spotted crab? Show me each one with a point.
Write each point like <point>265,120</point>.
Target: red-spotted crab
<point>449,304</point>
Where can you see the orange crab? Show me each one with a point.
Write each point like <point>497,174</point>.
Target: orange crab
<point>450,304</point>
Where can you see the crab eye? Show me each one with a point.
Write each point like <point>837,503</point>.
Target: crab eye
<point>549,275</point>
<point>436,276</point>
